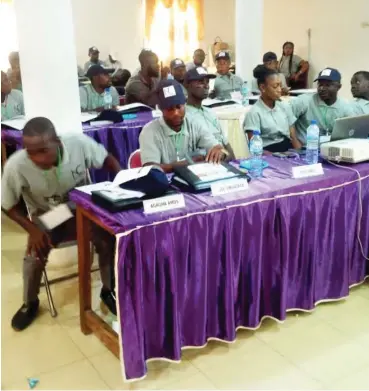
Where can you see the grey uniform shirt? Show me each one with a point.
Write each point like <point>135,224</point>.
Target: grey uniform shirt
<point>309,106</point>
<point>225,84</point>
<point>90,99</point>
<point>206,118</point>
<point>43,189</point>
<point>12,105</point>
<point>360,106</point>
<point>161,145</point>
<point>274,124</point>
<point>192,65</point>
<point>137,90</point>
<point>255,87</point>
<point>284,66</point>
<point>88,64</point>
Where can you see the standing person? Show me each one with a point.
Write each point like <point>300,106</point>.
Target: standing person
<point>174,138</point>
<point>274,119</point>
<point>178,71</point>
<point>198,60</point>
<point>325,106</point>
<point>292,66</point>
<point>142,87</point>
<point>92,95</point>
<point>197,85</point>
<point>11,100</point>
<point>93,53</point>
<point>360,92</point>
<point>14,72</point>
<point>225,82</point>
<point>43,173</point>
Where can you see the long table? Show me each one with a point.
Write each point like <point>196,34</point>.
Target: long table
<point>221,263</point>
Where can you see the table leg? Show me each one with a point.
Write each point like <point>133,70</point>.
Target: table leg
<point>84,269</point>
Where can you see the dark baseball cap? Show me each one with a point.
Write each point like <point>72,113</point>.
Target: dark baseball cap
<point>222,56</point>
<point>269,56</point>
<point>331,74</point>
<point>93,49</point>
<point>170,93</point>
<point>176,63</point>
<point>96,70</point>
<point>198,73</point>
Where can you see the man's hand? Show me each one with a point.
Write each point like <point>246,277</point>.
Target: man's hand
<point>296,143</point>
<point>215,155</point>
<point>39,243</point>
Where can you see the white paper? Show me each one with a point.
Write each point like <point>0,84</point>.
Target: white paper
<point>211,84</point>
<point>210,172</point>
<point>133,173</point>
<point>229,186</point>
<point>303,91</point>
<point>307,171</point>
<point>236,95</point>
<point>163,204</point>
<point>15,123</point>
<point>87,117</point>
<point>88,189</point>
<point>131,106</point>
<point>116,193</point>
<point>56,216</point>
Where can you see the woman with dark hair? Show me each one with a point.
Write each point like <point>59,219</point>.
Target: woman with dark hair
<point>292,66</point>
<point>274,119</point>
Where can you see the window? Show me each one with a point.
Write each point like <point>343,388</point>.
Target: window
<point>8,32</point>
<point>174,28</point>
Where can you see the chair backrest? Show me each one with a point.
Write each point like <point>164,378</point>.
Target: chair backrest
<point>134,160</point>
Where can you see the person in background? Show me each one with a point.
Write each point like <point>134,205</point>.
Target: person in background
<point>178,71</point>
<point>270,61</point>
<point>198,60</point>
<point>274,119</point>
<point>80,71</point>
<point>112,63</point>
<point>14,72</point>
<point>225,82</point>
<point>197,85</point>
<point>142,87</point>
<point>92,95</point>
<point>174,139</point>
<point>120,80</point>
<point>292,66</point>
<point>93,53</point>
<point>360,92</point>
<point>324,106</point>
<point>11,100</point>
<point>43,173</point>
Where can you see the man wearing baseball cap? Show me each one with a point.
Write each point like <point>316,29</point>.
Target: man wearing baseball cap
<point>93,53</point>
<point>225,82</point>
<point>92,95</point>
<point>178,71</point>
<point>197,85</point>
<point>174,139</point>
<point>325,106</point>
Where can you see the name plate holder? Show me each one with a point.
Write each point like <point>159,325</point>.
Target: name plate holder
<point>307,171</point>
<point>163,204</point>
<point>229,186</point>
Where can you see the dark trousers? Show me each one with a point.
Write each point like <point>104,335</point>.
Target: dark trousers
<point>283,146</point>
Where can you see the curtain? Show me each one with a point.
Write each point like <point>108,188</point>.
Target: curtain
<point>173,28</point>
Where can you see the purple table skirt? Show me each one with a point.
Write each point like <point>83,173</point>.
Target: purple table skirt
<point>119,139</point>
<point>226,262</point>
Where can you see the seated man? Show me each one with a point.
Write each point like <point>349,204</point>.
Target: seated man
<point>92,95</point>
<point>142,87</point>
<point>198,60</point>
<point>174,139</point>
<point>270,61</point>
<point>197,85</point>
<point>43,173</point>
<point>11,100</point>
<point>325,106</point>
<point>178,71</point>
<point>93,53</point>
<point>226,82</point>
<point>360,91</point>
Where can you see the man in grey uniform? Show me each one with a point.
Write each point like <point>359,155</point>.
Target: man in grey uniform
<point>178,71</point>
<point>11,100</point>
<point>93,53</point>
<point>174,139</point>
<point>360,91</point>
<point>43,173</point>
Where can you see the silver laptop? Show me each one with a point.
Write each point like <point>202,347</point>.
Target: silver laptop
<point>351,127</point>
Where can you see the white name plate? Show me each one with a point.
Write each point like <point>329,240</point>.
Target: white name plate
<point>163,204</point>
<point>307,171</point>
<point>228,186</point>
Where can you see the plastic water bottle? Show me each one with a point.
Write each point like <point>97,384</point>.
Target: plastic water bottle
<point>312,143</point>
<point>256,151</point>
<point>108,99</point>
<point>245,94</point>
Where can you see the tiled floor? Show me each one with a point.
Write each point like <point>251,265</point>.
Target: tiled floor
<point>327,349</point>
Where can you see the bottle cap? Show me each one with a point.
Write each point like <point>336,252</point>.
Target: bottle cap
<point>256,132</point>
<point>313,122</point>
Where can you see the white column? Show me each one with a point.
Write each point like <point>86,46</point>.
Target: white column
<point>249,36</point>
<point>48,62</point>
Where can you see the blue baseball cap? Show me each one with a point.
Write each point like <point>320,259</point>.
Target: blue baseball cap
<point>170,93</point>
<point>330,74</point>
<point>198,73</point>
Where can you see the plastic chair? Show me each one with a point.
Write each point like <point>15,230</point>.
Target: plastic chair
<point>134,160</point>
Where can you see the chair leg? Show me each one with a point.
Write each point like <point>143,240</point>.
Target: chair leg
<point>49,296</point>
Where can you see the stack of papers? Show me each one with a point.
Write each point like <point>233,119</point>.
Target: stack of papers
<point>208,172</point>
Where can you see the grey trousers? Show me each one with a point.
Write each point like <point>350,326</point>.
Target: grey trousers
<point>105,247</point>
